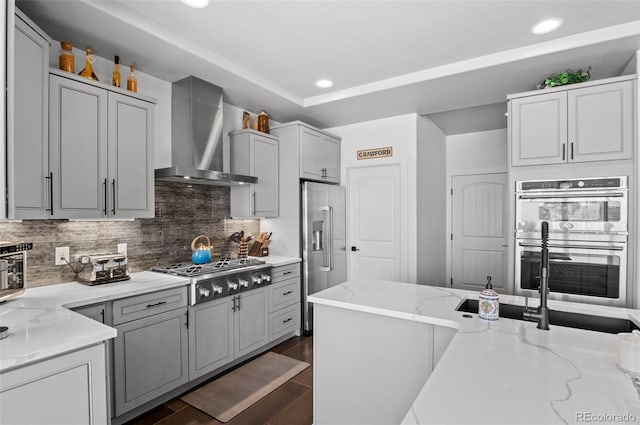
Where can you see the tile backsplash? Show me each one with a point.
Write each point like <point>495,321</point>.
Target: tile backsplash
<point>182,213</point>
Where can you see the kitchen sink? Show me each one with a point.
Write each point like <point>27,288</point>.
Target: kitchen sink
<point>561,318</point>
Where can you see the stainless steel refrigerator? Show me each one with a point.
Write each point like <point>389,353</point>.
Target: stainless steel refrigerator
<point>324,255</point>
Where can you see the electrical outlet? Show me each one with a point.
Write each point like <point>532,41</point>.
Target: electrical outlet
<point>122,248</point>
<point>62,252</point>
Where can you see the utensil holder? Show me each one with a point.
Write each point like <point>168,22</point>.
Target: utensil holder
<point>243,249</point>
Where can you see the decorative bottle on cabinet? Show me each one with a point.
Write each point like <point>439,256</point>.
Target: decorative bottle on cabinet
<point>132,81</point>
<point>115,77</point>
<point>66,61</point>
<point>87,72</point>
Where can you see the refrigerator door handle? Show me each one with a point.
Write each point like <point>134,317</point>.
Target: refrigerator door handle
<point>327,251</point>
<point>330,244</point>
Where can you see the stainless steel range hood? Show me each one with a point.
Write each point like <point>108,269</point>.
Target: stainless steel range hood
<point>196,136</point>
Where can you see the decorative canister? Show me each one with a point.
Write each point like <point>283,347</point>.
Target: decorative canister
<point>488,305</point>
<point>87,72</point>
<point>246,120</point>
<point>66,60</point>
<point>263,122</point>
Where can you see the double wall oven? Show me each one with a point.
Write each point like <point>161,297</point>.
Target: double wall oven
<point>588,236</point>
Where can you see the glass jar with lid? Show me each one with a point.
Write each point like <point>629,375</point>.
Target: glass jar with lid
<point>66,61</point>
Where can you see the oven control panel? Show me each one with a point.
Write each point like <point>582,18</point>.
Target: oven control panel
<point>210,288</point>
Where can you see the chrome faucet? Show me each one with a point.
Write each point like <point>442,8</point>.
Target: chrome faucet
<point>541,314</point>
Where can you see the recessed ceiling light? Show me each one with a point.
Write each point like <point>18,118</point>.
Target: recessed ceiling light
<point>546,26</point>
<point>324,84</point>
<point>198,4</point>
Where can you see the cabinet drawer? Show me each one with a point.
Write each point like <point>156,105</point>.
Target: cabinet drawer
<point>140,306</point>
<point>284,294</point>
<point>284,321</point>
<point>281,273</point>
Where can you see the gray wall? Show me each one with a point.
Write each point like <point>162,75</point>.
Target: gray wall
<point>182,213</point>
<point>431,203</point>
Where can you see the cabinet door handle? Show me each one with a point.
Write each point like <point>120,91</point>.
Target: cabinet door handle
<point>113,191</point>
<point>105,196</point>
<point>564,150</point>
<point>288,320</point>
<point>287,293</point>
<point>238,297</point>
<point>50,178</point>
<point>289,272</point>
<point>254,203</point>
<point>156,304</point>
<point>571,150</point>
<point>233,306</point>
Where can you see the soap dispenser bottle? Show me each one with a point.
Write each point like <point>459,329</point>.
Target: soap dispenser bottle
<point>488,305</point>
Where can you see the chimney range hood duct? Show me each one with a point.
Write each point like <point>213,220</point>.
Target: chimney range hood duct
<point>196,136</point>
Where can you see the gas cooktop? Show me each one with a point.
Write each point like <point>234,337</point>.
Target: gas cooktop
<point>220,265</point>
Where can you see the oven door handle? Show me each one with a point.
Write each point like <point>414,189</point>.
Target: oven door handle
<point>572,195</point>
<point>599,247</point>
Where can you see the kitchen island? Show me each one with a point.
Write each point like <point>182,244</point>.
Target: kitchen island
<point>390,352</point>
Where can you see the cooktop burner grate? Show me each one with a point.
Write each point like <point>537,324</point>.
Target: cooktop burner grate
<point>221,264</point>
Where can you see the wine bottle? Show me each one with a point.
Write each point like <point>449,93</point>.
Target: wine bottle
<point>115,77</point>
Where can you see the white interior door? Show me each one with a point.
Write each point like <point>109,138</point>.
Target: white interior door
<point>479,246</point>
<point>374,201</point>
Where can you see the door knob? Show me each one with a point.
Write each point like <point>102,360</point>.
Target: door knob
<point>354,249</point>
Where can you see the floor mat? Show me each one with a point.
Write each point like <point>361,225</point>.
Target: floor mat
<point>232,393</point>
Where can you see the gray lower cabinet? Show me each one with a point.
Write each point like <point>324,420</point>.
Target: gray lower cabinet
<point>251,329</point>
<point>284,301</point>
<point>100,151</point>
<point>223,330</point>
<point>27,121</point>
<point>68,389</point>
<point>210,336</point>
<point>150,353</point>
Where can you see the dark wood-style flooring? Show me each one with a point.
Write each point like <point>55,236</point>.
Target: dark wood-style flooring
<point>289,404</point>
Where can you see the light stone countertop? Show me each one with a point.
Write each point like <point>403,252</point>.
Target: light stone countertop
<point>276,260</point>
<point>508,371</point>
<point>41,324</point>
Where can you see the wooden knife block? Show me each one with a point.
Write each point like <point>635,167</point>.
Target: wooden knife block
<point>259,249</point>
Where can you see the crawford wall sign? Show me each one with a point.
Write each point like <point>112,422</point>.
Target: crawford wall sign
<point>375,153</point>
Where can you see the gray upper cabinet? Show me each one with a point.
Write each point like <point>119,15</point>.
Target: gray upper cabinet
<point>331,156</point>
<point>29,197</point>
<point>539,129</point>
<point>101,151</point>
<point>311,151</point>
<point>591,122</point>
<point>319,155</point>
<point>130,150</point>
<point>255,154</point>
<point>601,122</point>
<point>78,149</point>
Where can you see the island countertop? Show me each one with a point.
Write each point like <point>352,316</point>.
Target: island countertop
<point>41,324</point>
<point>506,371</point>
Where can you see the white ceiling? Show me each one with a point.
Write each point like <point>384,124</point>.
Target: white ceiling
<point>385,57</point>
